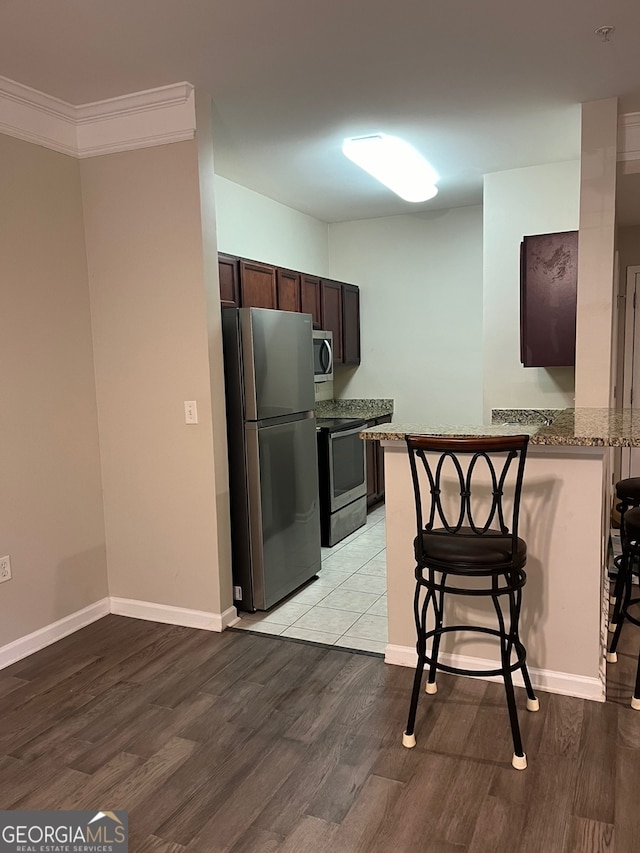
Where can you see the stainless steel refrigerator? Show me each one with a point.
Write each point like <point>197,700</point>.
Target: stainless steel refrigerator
<point>273,467</point>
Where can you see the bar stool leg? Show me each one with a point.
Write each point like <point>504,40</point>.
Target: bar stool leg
<point>519,759</point>
<point>431,686</point>
<point>533,703</point>
<point>612,655</point>
<point>635,699</point>
<point>420,615</point>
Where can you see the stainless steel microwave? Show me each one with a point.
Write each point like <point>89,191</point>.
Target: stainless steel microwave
<point>322,356</point>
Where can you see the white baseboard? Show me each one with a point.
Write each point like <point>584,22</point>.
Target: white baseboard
<point>30,643</point>
<point>25,646</point>
<point>170,615</point>
<point>564,683</point>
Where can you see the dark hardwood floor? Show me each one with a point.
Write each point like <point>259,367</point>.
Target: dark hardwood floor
<point>253,744</point>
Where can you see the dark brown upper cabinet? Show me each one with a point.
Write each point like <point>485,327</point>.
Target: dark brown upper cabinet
<point>288,289</point>
<point>257,285</point>
<point>310,298</point>
<point>331,304</point>
<point>350,324</point>
<point>548,292</point>
<point>228,271</point>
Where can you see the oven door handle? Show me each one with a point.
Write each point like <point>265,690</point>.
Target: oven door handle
<point>341,433</point>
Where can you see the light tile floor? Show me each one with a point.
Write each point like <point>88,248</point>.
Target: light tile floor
<point>347,604</point>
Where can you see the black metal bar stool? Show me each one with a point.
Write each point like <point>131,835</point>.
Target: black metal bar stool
<point>467,496</point>
<point>630,555</point>
<point>628,494</point>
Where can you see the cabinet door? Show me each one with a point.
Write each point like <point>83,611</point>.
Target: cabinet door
<point>548,287</point>
<point>310,298</point>
<point>331,302</point>
<point>288,288</point>
<point>351,324</point>
<point>229,282</point>
<point>257,285</point>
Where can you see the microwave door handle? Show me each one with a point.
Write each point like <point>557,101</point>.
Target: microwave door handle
<point>329,356</point>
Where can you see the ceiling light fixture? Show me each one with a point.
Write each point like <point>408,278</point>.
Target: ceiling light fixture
<point>394,163</point>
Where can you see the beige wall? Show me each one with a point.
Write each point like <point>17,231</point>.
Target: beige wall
<point>214,328</point>
<point>147,284</point>
<point>51,521</point>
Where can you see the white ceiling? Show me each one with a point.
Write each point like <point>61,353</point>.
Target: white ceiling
<point>476,85</point>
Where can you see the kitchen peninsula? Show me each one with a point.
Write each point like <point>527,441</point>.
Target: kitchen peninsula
<point>564,519</point>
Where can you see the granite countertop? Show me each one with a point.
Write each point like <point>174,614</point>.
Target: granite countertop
<point>570,428</point>
<point>366,409</point>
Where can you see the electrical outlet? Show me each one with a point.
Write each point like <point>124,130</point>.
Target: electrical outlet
<point>190,412</point>
<point>237,593</point>
<point>5,569</point>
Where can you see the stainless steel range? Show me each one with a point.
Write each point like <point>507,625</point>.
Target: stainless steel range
<point>342,478</point>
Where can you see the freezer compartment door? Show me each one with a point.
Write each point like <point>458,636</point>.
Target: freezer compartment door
<point>283,506</point>
<point>277,357</point>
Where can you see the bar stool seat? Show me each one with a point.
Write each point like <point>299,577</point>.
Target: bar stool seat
<point>467,497</point>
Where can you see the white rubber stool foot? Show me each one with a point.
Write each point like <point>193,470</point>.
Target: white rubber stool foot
<point>431,687</point>
<point>519,761</point>
<point>612,600</point>
<point>635,703</point>
<point>533,704</point>
<point>612,657</point>
<point>612,626</point>
<point>408,740</point>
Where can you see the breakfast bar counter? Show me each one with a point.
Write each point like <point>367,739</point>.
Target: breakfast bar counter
<point>565,519</point>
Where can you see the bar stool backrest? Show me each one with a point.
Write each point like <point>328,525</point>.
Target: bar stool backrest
<point>480,471</point>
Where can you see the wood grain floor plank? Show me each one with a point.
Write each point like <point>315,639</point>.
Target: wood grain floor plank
<point>562,733</point>
<point>372,808</point>
<point>595,784</point>
<point>238,810</point>
<point>292,801</point>
<point>627,813</point>
<point>498,827</point>
<point>24,777</point>
<point>83,720</point>
<point>311,835</point>
<point>147,777</point>
<point>589,836</point>
<point>185,800</point>
<point>258,841</point>
<point>97,786</point>
<point>550,786</point>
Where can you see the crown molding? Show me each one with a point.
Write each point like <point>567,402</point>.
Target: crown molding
<point>138,120</point>
<point>629,136</point>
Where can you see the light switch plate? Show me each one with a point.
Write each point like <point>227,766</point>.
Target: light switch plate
<point>190,412</point>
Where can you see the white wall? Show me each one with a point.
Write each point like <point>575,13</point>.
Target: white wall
<point>253,226</point>
<point>420,279</point>
<point>519,202</point>
<point>594,332</point>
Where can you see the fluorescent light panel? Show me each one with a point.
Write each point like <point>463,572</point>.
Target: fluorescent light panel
<point>394,163</point>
